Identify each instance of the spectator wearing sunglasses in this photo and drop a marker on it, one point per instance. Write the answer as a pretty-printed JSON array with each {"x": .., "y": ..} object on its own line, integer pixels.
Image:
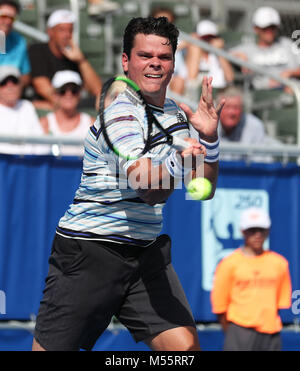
[
  {"x": 17, "y": 116},
  {"x": 250, "y": 286},
  {"x": 15, "y": 44},
  {"x": 60, "y": 53},
  {"x": 202, "y": 63},
  {"x": 66, "y": 120},
  {"x": 270, "y": 51}
]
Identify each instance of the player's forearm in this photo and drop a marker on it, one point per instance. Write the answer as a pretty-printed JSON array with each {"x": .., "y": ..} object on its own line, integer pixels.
[{"x": 153, "y": 184}]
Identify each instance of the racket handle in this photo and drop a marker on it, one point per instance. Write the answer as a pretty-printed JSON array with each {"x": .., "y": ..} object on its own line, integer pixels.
[{"x": 180, "y": 144}]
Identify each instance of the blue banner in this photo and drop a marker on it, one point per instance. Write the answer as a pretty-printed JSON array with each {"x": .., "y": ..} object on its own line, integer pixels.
[{"x": 35, "y": 192}]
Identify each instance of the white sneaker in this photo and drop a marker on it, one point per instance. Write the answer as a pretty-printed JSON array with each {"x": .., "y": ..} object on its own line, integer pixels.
[{"x": 105, "y": 6}]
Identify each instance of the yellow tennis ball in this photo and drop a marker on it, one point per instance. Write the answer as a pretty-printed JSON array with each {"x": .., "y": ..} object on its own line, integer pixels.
[{"x": 199, "y": 188}]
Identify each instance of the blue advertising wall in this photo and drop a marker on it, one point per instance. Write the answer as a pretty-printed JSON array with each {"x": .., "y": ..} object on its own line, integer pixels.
[{"x": 35, "y": 192}]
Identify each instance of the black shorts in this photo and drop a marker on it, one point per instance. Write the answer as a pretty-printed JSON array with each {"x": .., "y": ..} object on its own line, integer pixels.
[{"x": 91, "y": 281}]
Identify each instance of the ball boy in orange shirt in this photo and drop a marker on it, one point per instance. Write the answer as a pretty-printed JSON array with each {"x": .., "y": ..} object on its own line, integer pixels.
[{"x": 250, "y": 286}]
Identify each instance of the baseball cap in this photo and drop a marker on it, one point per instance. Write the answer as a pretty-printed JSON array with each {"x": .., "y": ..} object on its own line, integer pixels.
[
  {"x": 207, "y": 27},
  {"x": 266, "y": 16},
  {"x": 60, "y": 16},
  {"x": 66, "y": 77},
  {"x": 254, "y": 218},
  {"x": 6, "y": 71}
]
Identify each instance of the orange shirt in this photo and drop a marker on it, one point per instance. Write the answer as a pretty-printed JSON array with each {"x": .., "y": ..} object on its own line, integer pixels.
[{"x": 251, "y": 289}]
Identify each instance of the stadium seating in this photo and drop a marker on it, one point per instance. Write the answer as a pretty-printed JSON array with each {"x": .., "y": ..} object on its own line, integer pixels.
[
  {"x": 101, "y": 41},
  {"x": 279, "y": 108}
]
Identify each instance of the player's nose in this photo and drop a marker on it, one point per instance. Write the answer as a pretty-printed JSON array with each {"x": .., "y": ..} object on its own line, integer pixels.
[{"x": 155, "y": 62}]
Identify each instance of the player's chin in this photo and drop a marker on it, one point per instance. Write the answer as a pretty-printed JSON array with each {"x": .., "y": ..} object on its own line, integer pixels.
[{"x": 153, "y": 83}]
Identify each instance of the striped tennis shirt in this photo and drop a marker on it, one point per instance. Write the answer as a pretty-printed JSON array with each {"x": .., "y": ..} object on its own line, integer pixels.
[{"x": 105, "y": 207}]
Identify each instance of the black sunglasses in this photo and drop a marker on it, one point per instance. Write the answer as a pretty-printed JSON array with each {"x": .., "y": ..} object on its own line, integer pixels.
[
  {"x": 74, "y": 89},
  {"x": 8, "y": 79}
]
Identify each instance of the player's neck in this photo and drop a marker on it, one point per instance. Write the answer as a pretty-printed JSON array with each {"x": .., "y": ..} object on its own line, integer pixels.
[{"x": 155, "y": 101}]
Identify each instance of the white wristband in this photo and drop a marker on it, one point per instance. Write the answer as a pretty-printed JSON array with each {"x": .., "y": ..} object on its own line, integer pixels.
[
  {"x": 212, "y": 150},
  {"x": 174, "y": 166}
]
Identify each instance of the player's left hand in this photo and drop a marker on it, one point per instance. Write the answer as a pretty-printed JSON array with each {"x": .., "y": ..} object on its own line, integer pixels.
[
  {"x": 194, "y": 150},
  {"x": 205, "y": 119}
]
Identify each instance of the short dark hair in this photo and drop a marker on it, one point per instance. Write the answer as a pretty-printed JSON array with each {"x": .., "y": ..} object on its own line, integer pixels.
[
  {"x": 12, "y": 3},
  {"x": 149, "y": 26}
]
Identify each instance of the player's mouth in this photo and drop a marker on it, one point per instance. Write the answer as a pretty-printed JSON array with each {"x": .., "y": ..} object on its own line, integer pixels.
[{"x": 152, "y": 76}]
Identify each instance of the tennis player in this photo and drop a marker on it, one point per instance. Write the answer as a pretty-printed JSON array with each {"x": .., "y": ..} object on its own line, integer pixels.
[{"x": 107, "y": 256}]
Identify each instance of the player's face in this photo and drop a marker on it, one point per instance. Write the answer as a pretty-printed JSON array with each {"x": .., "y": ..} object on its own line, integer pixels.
[
  {"x": 151, "y": 66},
  {"x": 7, "y": 16},
  {"x": 255, "y": 238},
  {"x": 231, "y": 113},
  {"x": 61, "y": 34}
]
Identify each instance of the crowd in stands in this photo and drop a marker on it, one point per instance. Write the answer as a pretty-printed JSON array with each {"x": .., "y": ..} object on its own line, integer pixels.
[{"x": 58, "y": 71}]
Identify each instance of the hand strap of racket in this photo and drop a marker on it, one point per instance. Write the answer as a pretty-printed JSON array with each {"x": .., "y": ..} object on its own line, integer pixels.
[
  {"x": 174, "y": 166},
  {"x": 212, "y": 150}
]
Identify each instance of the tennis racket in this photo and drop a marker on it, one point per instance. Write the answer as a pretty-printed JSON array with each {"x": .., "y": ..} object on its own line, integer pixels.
[{"x": 123, "y": 85}]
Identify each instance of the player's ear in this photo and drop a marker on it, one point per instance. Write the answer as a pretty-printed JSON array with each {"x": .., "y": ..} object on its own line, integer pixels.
[{"x": 125, "y": 60}]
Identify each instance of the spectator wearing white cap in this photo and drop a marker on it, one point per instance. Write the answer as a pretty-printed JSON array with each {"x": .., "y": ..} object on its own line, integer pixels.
[
  {"x": 66, "y": 120},
  {"x": 17, "y": 116},
  {"x": 60, "y": 53},
  {"x": 200, "y": 62},
  {"x": 250, "y": 286},
  {"x": 270, "y": 51},
  {"x": 15, "y": 53}
]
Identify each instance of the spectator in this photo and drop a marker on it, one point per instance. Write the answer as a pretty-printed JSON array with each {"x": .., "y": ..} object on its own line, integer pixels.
[
  {"x": 177, "y": 83},
  {"x": 60, "y": 53},
  {"x": 239, "y": 126},
  {"x": 273, "y": 53},
  {"x": 250, "y": 286},
  {"x": 97, "y": 7},
  {"x": 17, "y": 116},
  {"x": 66, "y": 120},
  {"x": 15, "y": 44},
  {"x": 200, "y": 62}
]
